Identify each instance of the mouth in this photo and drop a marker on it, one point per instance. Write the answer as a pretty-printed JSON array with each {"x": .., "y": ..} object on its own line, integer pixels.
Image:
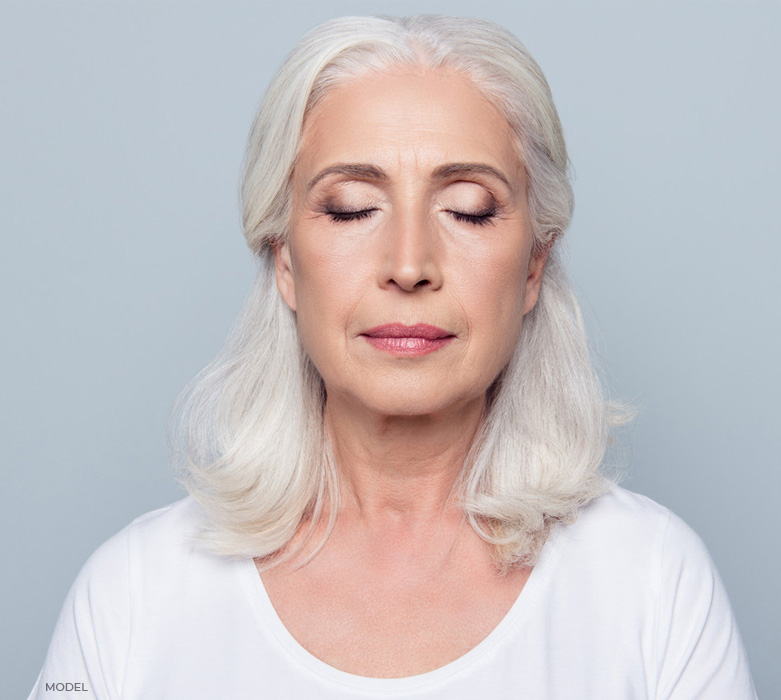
[
  {"x": 399, "y": 330},
  {"x": 398, "y": 339}
]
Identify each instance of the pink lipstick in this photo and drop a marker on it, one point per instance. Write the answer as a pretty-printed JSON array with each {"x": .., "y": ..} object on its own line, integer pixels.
[{"x": 398, "y": 339}]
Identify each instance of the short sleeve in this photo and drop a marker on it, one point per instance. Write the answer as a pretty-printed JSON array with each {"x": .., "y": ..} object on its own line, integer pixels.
[
  {"x": 701, "y": 654},
  {"x": 89, "y": 647}
]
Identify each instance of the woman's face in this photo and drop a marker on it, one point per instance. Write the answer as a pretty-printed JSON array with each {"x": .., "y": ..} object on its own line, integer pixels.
[{"x": 409, "y": 209}]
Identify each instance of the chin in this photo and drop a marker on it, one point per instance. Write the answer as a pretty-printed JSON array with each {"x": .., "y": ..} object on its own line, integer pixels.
[
  {"x": 417, "y": 400},
  {"x": 404, "y": 407}
]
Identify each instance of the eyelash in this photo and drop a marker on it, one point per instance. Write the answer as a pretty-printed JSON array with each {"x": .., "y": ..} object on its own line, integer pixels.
[
  {"x": 475, "y": 219},
  {"x": 483, "y": 219},
  {"x": 343, "y": 216}
]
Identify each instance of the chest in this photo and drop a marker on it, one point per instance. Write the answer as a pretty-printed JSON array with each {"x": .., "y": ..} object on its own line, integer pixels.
[{"x": 393, "y": 626}]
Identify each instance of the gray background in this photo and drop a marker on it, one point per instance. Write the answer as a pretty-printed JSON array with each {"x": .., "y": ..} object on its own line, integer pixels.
[{"x": 122, "y": 266}]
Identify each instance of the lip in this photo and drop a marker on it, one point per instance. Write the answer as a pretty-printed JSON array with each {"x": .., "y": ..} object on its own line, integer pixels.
[
  {"x": 399, "y": 330},
  {"x": 398, "y": 339}
]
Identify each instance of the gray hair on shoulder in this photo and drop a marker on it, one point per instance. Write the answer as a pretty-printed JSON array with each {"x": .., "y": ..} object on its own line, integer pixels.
[{"x": 247, "y": 433}]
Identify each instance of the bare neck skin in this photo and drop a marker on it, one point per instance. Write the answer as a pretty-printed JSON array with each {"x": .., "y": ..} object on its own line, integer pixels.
[
  {"x": 403, "y": 585},
  {"x": 400, "y": 469},
  {"x": 398, "y": 478}
]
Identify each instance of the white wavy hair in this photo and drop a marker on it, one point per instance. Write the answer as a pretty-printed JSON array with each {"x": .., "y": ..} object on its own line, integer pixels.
[{"x": 249, "y": 438}]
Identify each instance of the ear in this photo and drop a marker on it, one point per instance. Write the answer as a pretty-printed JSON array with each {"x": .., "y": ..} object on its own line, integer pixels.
[
  {"x": 284, "y": 271},
  {"x": 534, "y": 280}
]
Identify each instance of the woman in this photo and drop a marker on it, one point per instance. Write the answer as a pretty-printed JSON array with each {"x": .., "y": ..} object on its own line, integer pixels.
[{"x": 394, "y": 465}]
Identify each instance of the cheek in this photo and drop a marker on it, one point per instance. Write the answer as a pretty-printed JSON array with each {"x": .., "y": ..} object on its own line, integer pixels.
[
  {"x": 495, "y": 296},
  {"x": 324, "y": 263},
  {"x": 327, "y": 289}
]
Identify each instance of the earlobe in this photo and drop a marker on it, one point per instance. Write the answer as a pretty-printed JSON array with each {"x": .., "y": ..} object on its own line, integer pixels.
[
  {"x": 534, "y": 280},
  {"x": 284, "y": 273}
]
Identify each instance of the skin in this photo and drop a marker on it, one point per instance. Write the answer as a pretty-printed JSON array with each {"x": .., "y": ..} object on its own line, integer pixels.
[{"x": 403, "y": 585}]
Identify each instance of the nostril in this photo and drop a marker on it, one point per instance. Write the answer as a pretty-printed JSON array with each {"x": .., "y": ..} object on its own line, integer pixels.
[{"x": 409, "y": 284}]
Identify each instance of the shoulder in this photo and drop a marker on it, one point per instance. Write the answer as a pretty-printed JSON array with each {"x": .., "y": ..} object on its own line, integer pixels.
[
  {"x": 167, "y": 530},
  {"x": 636, "y": 581},
  {"x": 618, "y": 506},
  {"x": 154, "y": 541},
  {"x": 615, "y": 568},
  {"x": 637, "y": 543},
  {"x": 126, "y": 577},
  {"x": 139, "y": 571},
  {"x": 621, "y": 519},
  {"x": 164, "y": 527},
  {"x": 638, "y": 555},
  {"x": 173, "y": 520}
]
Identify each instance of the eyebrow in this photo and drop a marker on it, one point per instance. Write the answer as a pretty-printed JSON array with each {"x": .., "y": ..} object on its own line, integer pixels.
[
  {"x": 363, "y": 171},
  {"x": 447, "y": 171},
  {"x": 359, "y": 171}
]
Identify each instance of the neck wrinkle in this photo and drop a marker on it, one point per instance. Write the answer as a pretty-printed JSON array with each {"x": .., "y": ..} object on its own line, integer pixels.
[{"x": 401, "y": 469}]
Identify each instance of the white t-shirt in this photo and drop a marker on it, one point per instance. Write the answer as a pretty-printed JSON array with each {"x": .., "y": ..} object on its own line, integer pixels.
[{"x": 623, "y": 604}]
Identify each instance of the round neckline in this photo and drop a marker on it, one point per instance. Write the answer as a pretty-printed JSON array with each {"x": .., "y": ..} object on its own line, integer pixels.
[{"x": 263, "y": 606}]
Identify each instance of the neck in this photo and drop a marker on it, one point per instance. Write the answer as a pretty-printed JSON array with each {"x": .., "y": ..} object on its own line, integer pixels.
[{"x": 400, "y": 470}]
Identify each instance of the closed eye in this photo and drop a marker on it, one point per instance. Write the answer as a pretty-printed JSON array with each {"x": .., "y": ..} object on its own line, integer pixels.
[
  {"x": 481, "y": 219},
  {"x": 341, "y": 216}
]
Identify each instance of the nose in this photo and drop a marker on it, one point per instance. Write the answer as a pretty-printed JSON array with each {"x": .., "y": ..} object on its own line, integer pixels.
[{"x": 412, "y": 253}]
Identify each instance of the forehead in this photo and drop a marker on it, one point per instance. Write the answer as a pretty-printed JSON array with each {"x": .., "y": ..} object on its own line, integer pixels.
[{"x": 408, "y": 119}]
